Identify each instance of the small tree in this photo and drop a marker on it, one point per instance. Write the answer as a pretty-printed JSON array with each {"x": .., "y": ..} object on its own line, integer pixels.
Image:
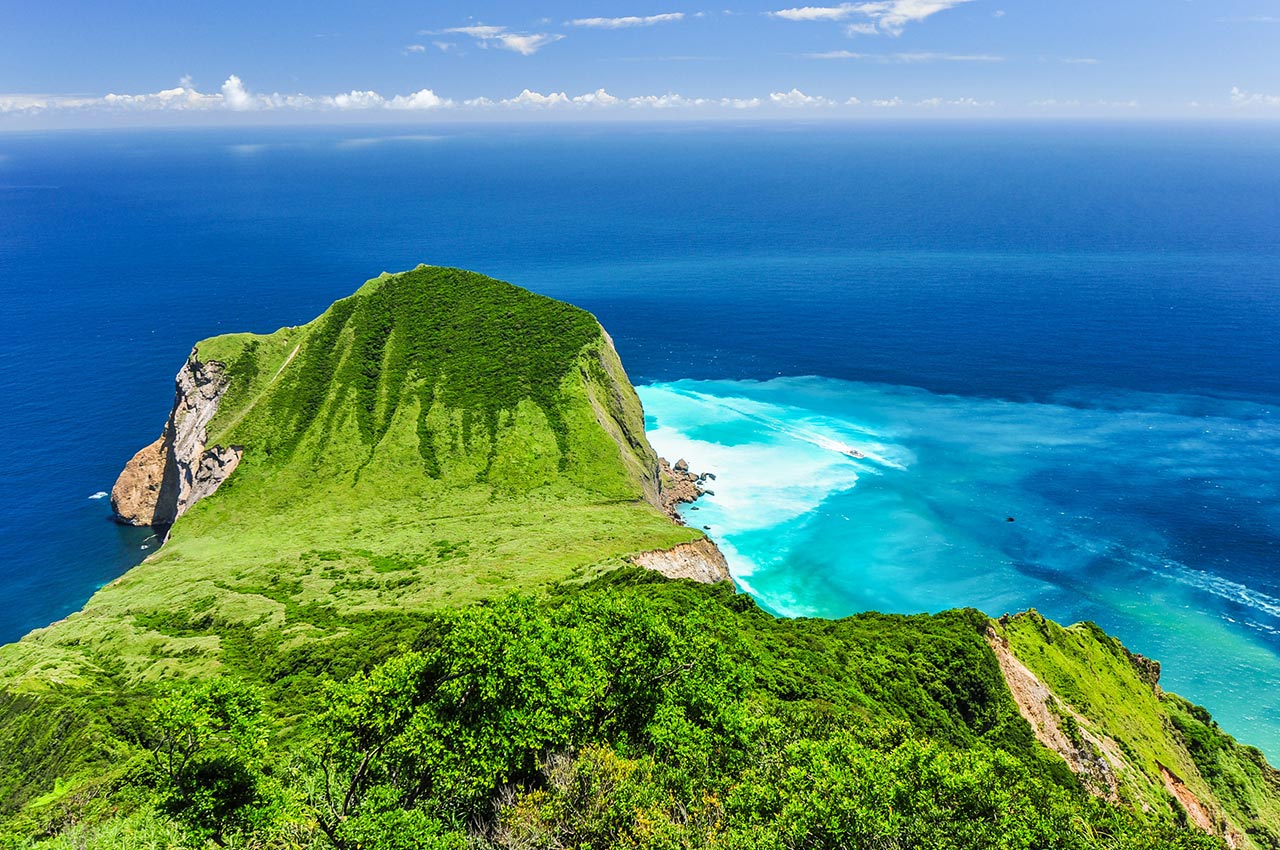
[{"x": 206, "y": 749}]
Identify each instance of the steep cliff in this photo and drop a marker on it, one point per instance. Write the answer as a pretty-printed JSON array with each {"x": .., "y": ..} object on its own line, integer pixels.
[
  {"x": 1100, "y": 707},
  {"x": 168, "y": 476},
  {"x": 436, "y": 438}
]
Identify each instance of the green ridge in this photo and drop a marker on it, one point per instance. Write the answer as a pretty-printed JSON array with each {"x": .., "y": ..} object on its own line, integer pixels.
[
  {"x": 415, "y": 585},
  {"x": 437, "y": 438},
  {"x": 1097, "y": 677}
]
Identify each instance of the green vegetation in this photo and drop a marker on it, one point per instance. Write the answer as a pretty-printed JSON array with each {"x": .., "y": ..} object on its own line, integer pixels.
[
  {"x": 1156, "y": 732},
  {"x": 408, "y": 621},
  {"x": 476, "y": 436},
  {"x": 630, "y": 711}
]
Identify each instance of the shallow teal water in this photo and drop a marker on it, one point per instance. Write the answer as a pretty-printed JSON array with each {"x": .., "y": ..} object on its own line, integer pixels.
[
  {"x": 833, "y": 497},
  {"x": 993, "y": 261}
]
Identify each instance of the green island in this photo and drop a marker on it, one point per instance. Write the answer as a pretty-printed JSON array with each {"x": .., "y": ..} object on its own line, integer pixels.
[{"x": 422, "y": 589}]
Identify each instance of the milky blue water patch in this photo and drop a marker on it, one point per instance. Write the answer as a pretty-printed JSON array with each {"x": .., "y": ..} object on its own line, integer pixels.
[
  {"x": 1156, "y": 516},
  {"x": 1000, "y": 261}
]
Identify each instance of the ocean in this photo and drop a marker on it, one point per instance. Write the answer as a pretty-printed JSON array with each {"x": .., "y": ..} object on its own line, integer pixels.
[{"x": 931, "y": 365}]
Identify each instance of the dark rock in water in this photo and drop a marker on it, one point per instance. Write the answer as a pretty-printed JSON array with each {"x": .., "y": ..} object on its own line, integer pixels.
[
  {"x": 1008, "y": 519},
  {"x": 681, "y": 465}
]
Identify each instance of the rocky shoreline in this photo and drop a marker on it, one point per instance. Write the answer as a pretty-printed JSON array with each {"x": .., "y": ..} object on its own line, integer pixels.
[{"x": 678, "y": 486}]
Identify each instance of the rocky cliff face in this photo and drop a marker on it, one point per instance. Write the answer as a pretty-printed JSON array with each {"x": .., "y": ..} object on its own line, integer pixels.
[
  {"x": 699, "y": 560},
  {"x": 167, "y": 477},
  {"x": 678, "y": 486}
]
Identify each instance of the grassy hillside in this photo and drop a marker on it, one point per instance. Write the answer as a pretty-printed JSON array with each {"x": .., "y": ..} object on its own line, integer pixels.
[
  {"x": 1163, "y": 740},
  {"x": 437, "y": 438},
  {"x": 631, "y": 711},
  {"x": 406, "y": 621}
]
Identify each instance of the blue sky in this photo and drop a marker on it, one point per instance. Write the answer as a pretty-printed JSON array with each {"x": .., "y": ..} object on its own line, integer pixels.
[{"x": 94, "y": 63}]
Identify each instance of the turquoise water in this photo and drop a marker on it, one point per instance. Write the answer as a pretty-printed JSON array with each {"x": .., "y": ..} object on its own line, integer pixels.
[
  {"x": 1092, "y": 312},
  {"x": 833, "y": 497}
]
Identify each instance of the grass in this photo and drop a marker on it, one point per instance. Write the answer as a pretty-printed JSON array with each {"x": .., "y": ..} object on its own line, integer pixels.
[
  {"x": 440, "y": 439},
  {"x": 1094, "y": 674},
  {"x": 479, "y": 437}
]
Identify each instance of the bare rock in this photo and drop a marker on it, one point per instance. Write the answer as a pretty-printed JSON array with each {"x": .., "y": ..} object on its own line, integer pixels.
[
  {"x": 699, "y": 560},
  {"x": 167, "y": 477},
  {"x": 137, "y": 490},
  {"x": 677, "y": 486}
]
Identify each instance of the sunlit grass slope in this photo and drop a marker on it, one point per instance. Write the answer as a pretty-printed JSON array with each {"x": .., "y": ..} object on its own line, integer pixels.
[
  {"x": 438, "y": 437},
  {"x": 1157, "y": 733}
]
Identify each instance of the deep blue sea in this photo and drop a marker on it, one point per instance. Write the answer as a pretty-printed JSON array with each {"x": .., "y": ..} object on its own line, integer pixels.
[{"x": 931, "y": 365}]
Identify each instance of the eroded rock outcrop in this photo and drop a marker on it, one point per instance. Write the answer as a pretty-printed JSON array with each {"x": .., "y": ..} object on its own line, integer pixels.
[
  {"x": 700, "y": 560},
  {"x": 167, "y": 477},
  {"x": 1095, "y": 759},
  {"x": 137, "y": 490},
  {"x": 678, "y": 486}
]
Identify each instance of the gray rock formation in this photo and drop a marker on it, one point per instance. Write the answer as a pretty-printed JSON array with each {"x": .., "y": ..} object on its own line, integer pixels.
[{"x": 166, "y": 478}]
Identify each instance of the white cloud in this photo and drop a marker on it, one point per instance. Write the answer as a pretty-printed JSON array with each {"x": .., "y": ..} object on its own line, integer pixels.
[
  {"x": 1080, "y": 60},
  {"x": 627, "y": 21},
  {"x": 179, "y": 98},
  {"x": 415, "y": 48},
  {"x": 905, "y": 58},
  {"x": 359, "y": 100},
  {"x": 795, "y": 97},
  {"x": 599, "y": 97},
  {"x": 422, "y": 99},
  {"x": 817, "y": 13},
  {"x": 25, "y": 102},
  {"x": 234, "y": 94},
  {"x": 887, "y": 16},
  {"x": 946, "y": 57},
  {"x": 533, "y": 98},
  {"x": 526, "y": 44},
  {"x": 935, "y": 102},
  {"x": 669, "y": 100},
  {"x": 1244, "y": 98}
]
